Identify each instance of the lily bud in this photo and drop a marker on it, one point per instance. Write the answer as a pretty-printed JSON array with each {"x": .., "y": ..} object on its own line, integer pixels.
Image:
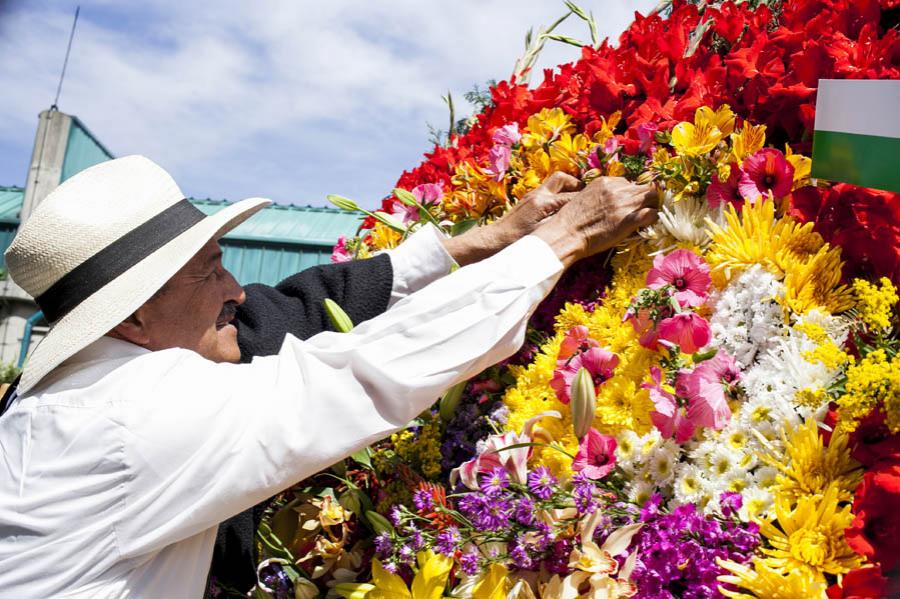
[
  {"x": 378, "y": 522},
  {"x": 343, "y": 203},
  {"x": 337, "y": 316},
  {"x": 450, "y": 400},
  {"x": 584, "y": 402},
  {"x": 406, "y": 197}
]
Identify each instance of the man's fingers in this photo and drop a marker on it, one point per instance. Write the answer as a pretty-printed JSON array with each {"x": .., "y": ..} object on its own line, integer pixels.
[
  {"x": 559, "y": 182},
  {"x": 642, "y": 217},
  {"x": 651, "y": 196}
]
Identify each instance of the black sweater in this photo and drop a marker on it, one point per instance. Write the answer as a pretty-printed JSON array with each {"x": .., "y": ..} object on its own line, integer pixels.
[{"x": 362, "y": 288}]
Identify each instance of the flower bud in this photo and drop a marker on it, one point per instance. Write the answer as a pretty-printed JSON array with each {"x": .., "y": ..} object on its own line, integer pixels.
[
  {"x": 584, "y": 402},
  {"x": 406, "y": 197},
  {"x": 343, "y": 203},
  {"x": 337, "y": 316},
  {"x": 450, "y": 400}
]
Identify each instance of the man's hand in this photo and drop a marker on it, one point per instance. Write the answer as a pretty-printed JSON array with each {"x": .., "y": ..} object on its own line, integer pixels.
[
  {"x": 598, "y": 218},
  {"x": 524, "y": 218}
]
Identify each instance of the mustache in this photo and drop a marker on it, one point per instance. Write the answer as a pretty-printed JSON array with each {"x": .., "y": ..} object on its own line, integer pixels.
[{"x": 229, "y": 310}]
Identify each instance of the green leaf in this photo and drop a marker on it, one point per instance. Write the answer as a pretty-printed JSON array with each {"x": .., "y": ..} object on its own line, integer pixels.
[
  {"x": 364, "y": 457},
  {"x": 462, "y": 226},
  {"x": 450, "y": 400},
  {"x": 702, "y": 357},
  {"x": 378, "y": 522},
  {"x": 518, "y": 445}
]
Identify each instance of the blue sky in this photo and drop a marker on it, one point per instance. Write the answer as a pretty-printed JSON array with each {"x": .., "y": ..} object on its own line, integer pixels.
[{"x": 287, "y": 99}]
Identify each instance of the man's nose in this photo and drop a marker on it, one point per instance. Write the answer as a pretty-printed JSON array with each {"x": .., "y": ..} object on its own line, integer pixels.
[{"x": 233, "y": 290}]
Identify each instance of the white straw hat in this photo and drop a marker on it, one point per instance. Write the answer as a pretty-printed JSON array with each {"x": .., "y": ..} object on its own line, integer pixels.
[{"x": 100, "y": 245}]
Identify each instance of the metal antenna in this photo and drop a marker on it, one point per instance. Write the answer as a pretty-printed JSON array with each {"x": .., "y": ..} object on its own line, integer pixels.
[{"x": 66, "y": 61}]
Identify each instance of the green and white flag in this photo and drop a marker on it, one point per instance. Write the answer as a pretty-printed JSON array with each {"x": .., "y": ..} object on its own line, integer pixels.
[{"x": 857, "y": 137}]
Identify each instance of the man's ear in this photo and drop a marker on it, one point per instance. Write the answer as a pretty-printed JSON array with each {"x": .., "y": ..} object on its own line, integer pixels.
[{"x": 133, "y": 329}]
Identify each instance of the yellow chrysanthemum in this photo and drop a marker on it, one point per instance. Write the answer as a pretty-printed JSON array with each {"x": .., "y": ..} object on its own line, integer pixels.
[
  {"x": 748, "y": 141},
  {"x": 809, "y": 537},
  {"x": 807, "y": 467},
  {"x": 689, "y": 139},
  {"x": 762, "y": 582},
  {"x": 815, "y": 283},
  {"x": 722, "y": 118},
  {"x": 875, "y": 304},
  {"x": 872, "y": 383},
  {"x": 546, "y": 126}
]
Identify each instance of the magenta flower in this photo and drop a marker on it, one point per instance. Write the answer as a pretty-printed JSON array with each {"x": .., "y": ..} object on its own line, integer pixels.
[
  {"x": 706, "y": 403},
  {"x": 722, "y": 368},
  {"x": 596, "y": 455},
  {"x": 577, "y": 340},
  {"x": 684, "y": 270},
  {"x": 669, "y": 416},
  {"x": 686, "y": 330},
  {"x": 646, "y": 133},
  {"x": 507, "y": 135},
  {"x": 611, "y": 145},
  {"x": 340, "y": 253},
  {"x": 599, "y": 362},
  {"x": 767, "y": 171},
  {"x": 499, "y": 157},
  {"x": 725, "y": 192},
  {"x": 428, "y": 193},
  {"x": 644, "y": 327}
]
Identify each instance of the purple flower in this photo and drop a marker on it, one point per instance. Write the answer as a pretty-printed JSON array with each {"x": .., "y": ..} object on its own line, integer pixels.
[
  {"x": 518, "y": 551},
  {"x": 416, "y": 540},
  {"x": 468, "y": 561},
  {"x": 486, "y": 512},
  {"x": 730, "y": 503},
  {"x": 423, "y": 500},
  {"x": 525, "y": 511},
  {"x": 383, "y": 545},
  {"x": 406, "y": 554},
  {"x": 447, "y": 540},
  {"x": 541, "y": 482},
  {"x": 495, "y": 482},
  {"x": 395, "y": 515},
  {"x": 390, "y": 567}
]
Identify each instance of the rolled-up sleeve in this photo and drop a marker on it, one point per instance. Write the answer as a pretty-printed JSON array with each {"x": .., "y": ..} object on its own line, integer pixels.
[
  {"x": 418, "y": 262},
  {"x": 198, "y": 455}
]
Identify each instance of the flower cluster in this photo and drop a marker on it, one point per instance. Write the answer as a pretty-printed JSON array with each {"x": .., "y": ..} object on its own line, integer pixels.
[{"x": 712, "y": 409}]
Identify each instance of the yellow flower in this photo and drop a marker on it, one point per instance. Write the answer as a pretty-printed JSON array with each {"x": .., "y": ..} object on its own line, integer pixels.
[
  {"x": 807, "y": 467},
  {"x": 802, "y": 167},
  {"x": 763, "y": 582},
  {"x": 693, "y": 140},
  {"x": 872, "y": 383},
  {"x": 721, "y": 118},
  {"x": 383, "y": 237},
  {"x": 569, "y": 153},
  {"x": 428, "y": 583},
  {"x": 493, "y": 584},
  {"x": 815, "y": 283},
  {"x": 874, "y": 304},
  {"x": 607, "y": 128},
  {"x": 474, "y": 194},
  {"x": 748, "y": 141},
  {"x": 546, "y": 126},
  {"x": 809, "y": 539}
]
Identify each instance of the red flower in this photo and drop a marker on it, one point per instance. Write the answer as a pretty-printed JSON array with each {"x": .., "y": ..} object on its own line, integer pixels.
[
  {"x": 862, "y": 583},
  {"x": 875, "y": 532}
]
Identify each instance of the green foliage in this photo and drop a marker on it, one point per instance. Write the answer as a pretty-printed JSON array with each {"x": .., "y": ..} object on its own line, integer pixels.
[{"x": 8, "y": 372}]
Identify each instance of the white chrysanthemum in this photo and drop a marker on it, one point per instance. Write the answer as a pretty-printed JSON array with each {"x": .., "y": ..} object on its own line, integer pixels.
[
  {"x": 723, "y": 462},
  {"x": 681, "y": 222},
  {"x": 627, "y": 451},
  {"x": 701, "y": 454},
  {"x": 639, "y": 491},
  {"x": 691, "y": 484},
  {"x": 767, "y": 411},
  {"x": 757, "y": 501},
  {"x": 764, "y": 477},
  {"x": 747, "y": 319},
  {"x": 836, "y": 327},
  {"x": 647, "y": 444},
  {"x": 661, "y": 463},
  {"x": 736, "y": 481}
]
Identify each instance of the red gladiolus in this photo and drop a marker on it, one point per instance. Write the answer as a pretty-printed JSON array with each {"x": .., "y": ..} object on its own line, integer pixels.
[
  {"x": 862, "y": 583},
  {"x": 875, "y": 532}
]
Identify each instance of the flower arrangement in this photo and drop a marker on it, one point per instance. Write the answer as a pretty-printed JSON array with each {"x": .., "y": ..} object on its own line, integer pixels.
[{"x": 710, "y": 410}]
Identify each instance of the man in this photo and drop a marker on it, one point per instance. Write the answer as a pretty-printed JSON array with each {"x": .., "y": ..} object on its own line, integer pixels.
[{"x": 130, "y": 439}]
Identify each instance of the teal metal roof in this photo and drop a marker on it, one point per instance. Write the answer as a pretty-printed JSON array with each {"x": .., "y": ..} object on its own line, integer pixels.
[
  {"x": 83, "y": 150},
  {"x": 276, "y": 242}
]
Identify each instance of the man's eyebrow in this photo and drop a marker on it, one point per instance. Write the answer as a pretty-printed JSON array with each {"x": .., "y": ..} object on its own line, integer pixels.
[{"x": 214, "y": 257}]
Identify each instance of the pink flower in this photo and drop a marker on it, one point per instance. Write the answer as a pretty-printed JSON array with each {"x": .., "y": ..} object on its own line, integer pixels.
[
  {"x": 499, "y": 158},
  {"x": 645, "y": 327},
  {"x": 706, "y": 403},
  {"x": 684, "y": 270},
  {"x": 669, "y": 416},
  {"x": 611, "y": 145},
  {"x": 764, "y": 172},
  {"x": 340, "y": 253},
  {"x": 646, "y": 133},
  {"x": 428, "y": 193},
  {"x": 722, "y": 368},
  {"x": 725, "y": 192},
  {"x": 599, "y": 362},
  {"x": 513, "y": 461},
  {"x": 594, "y": 159},
  {"x": 577, "y": 340},
  {"x": 596, "y": 455},
  {"x": 404, "y": 213},
  {"x": 507, "y": 135},
  {"x": 686, "y": 330}
]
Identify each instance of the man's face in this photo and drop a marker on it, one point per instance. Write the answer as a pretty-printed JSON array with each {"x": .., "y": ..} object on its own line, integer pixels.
[{"x": 194, "y": 309}]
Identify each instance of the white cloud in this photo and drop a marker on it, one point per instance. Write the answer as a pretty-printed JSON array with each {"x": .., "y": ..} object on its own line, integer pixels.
[{"x": 288, "y": 99}]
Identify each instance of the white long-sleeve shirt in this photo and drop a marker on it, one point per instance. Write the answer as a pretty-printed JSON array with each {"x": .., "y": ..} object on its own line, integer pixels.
[{"x": 117, "y": 470}]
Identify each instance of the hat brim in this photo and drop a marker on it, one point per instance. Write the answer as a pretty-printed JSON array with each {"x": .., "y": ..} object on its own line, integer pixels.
[{"x": 117, "y": 300}]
